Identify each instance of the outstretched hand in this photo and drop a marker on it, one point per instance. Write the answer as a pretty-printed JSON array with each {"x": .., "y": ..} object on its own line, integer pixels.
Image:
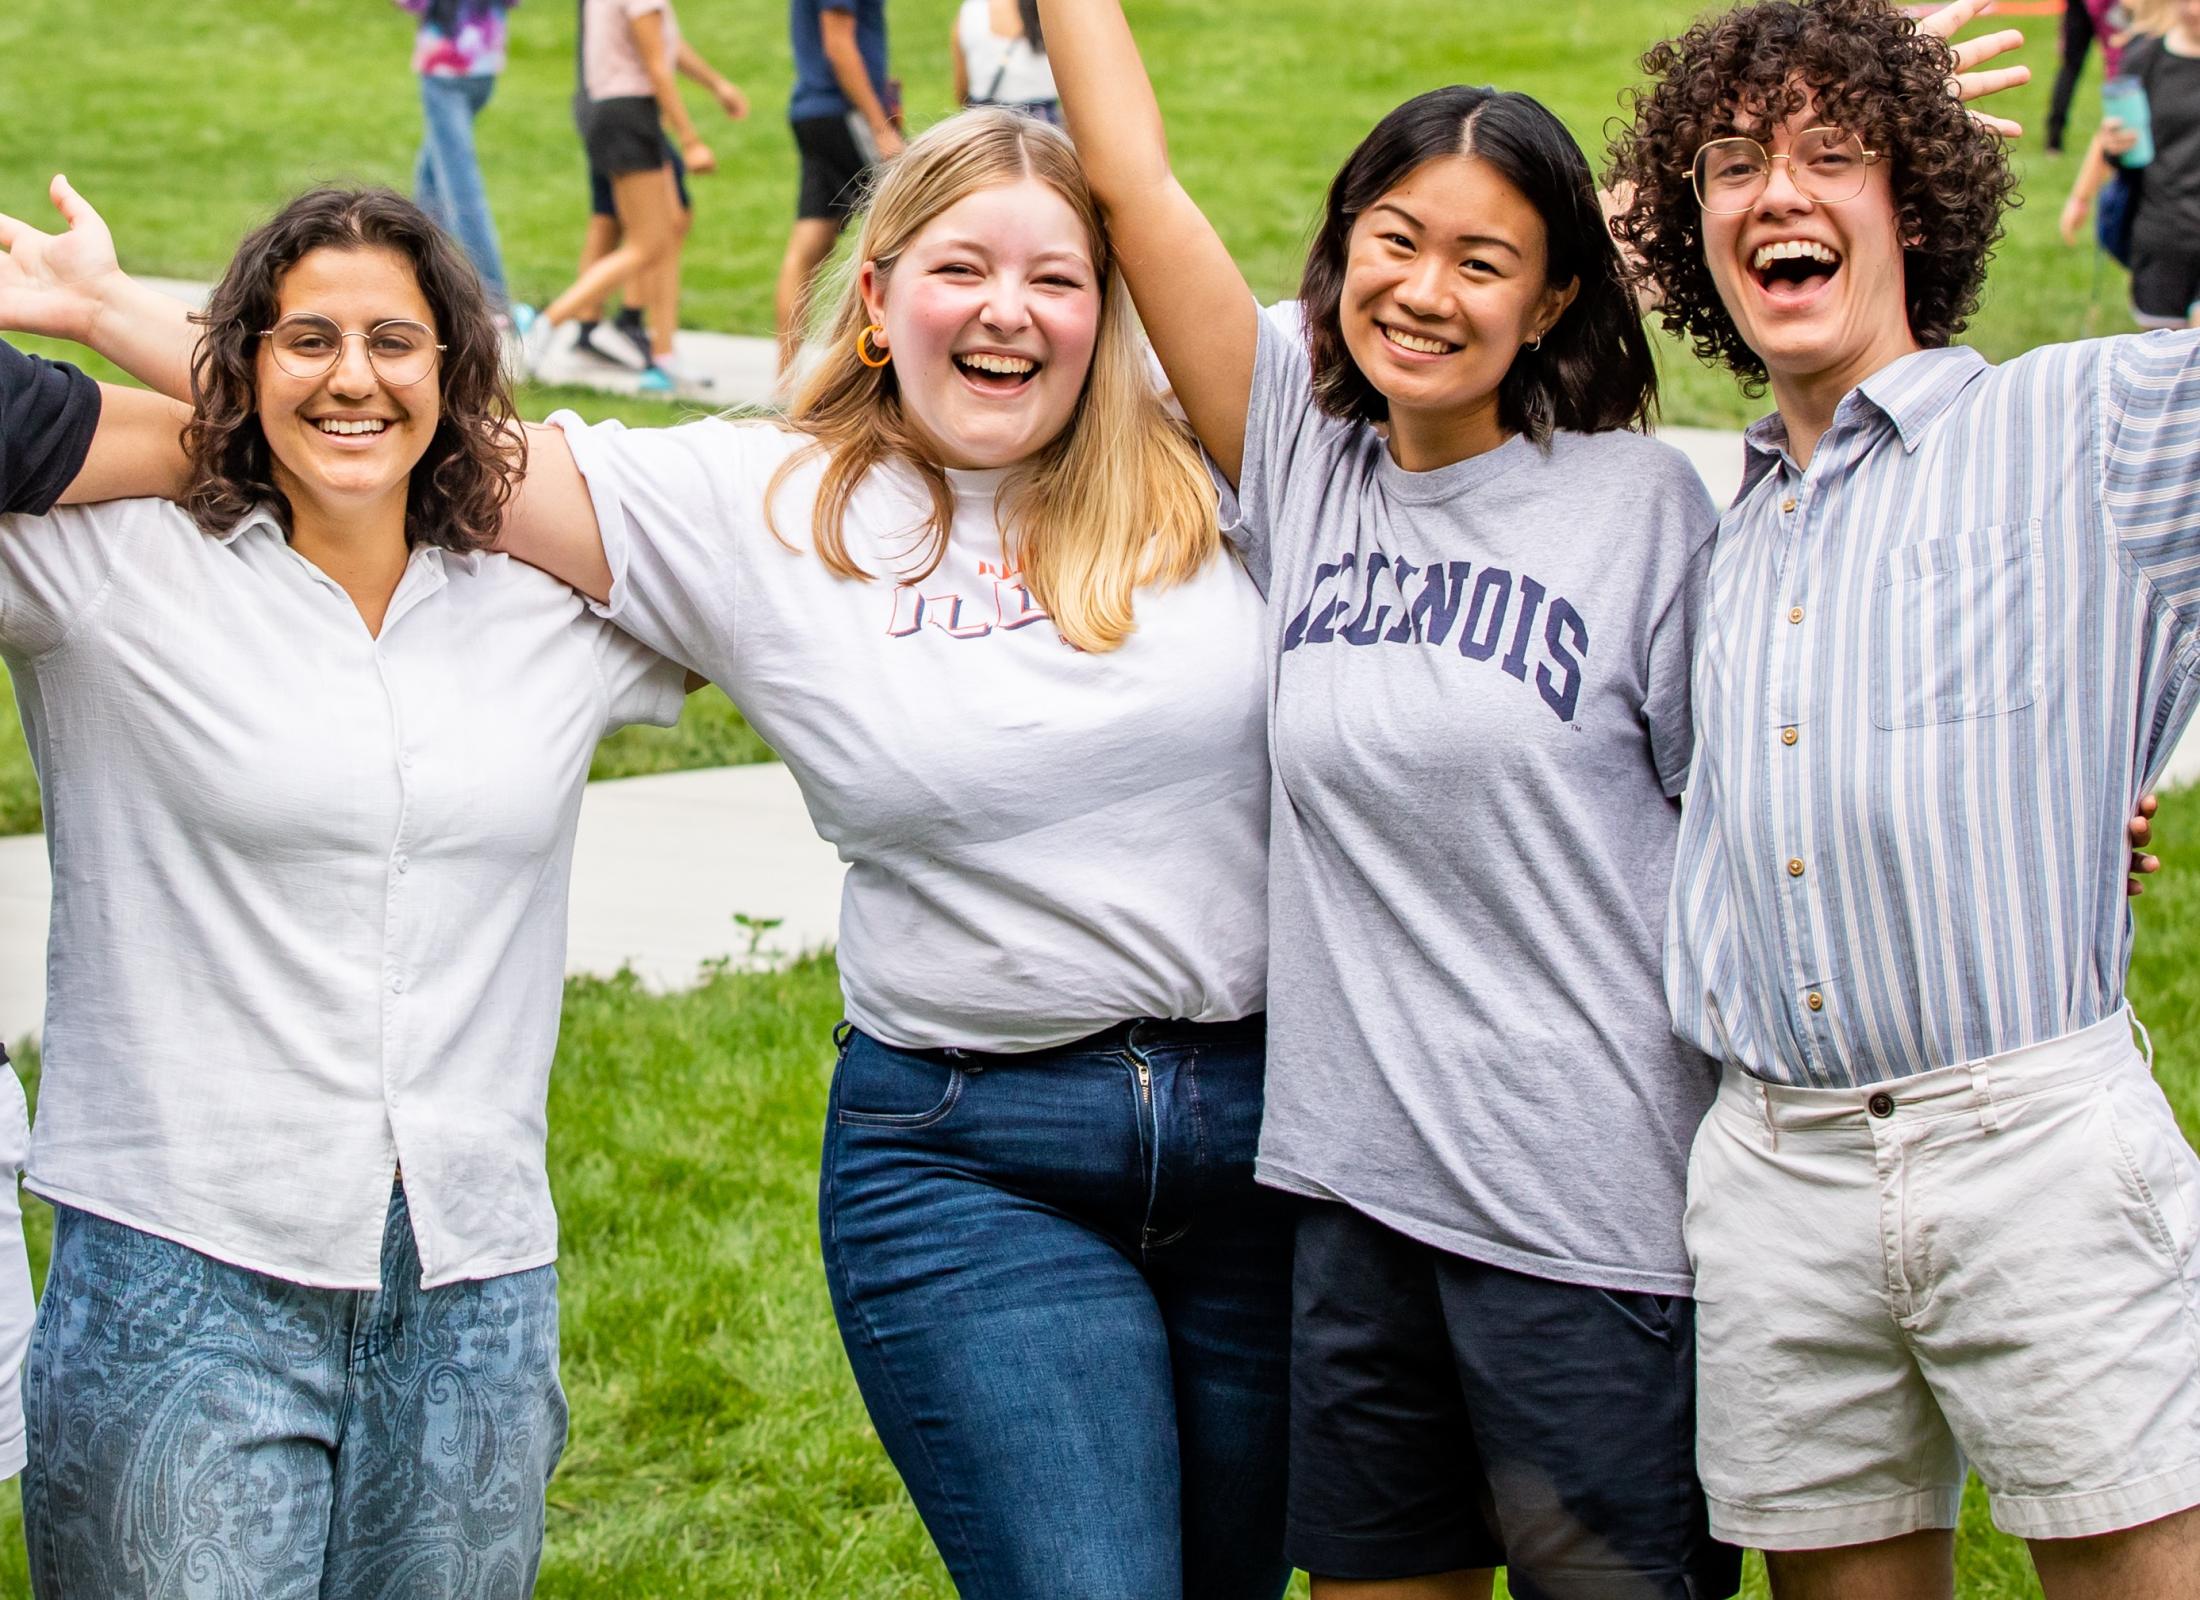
[
  {"x": 53, "y": 284},
  {"x": 1970, "y": 83}
]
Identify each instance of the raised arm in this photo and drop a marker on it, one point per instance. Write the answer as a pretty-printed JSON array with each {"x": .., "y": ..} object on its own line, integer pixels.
[
  {"x": 70, "y": 286},
  {"x": 1197, "y": 307}
]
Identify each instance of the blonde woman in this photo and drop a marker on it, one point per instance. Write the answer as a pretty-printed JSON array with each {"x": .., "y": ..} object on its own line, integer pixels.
[{"x": 973, "y": 592}]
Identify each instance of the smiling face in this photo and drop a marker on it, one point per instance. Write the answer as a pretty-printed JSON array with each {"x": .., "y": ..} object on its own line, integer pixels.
[
  {"x": 991, "y": 314},
  {"x": 1815, "y": 287},
  {"x": 347, "y": 440},
  {"x": 1444, "y": 282}
]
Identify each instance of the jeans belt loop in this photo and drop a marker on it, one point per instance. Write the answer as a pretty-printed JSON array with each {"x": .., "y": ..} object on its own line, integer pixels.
[
  {"x": 1764, "y": 1100},
  {"x": 1982, "y": 1085}
]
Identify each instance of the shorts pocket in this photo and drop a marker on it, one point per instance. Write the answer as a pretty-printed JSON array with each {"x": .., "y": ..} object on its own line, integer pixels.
[
  {"x": 877, "y": 1087},
  {"x": 1953, "y": 626},
  {"x": 1657, "y": 1315},
  {"x": 2159, "y": 1169}
]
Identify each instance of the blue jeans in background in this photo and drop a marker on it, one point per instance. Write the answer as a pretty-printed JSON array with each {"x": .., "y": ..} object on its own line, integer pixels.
[
  {"x": 203, "y": 1432},
  {"x": 1068, "y": 1307},
  {"x": 447, "y": 178}
]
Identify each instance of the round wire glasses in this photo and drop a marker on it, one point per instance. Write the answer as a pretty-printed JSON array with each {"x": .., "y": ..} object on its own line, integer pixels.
[
  {"x": 306, "y": 344},
  {"x": 1823, "y": 163}
]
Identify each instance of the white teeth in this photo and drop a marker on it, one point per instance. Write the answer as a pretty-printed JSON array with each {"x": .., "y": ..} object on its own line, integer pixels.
[
  {"x": 1007, "y": 366},
  {"x": 342, "y": 426},
  {"x": 1793, "y": 250},
  {"x": 1413, "y": 341}
]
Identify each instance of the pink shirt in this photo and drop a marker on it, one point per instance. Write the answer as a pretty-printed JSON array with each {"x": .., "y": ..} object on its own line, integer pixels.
[{"x": 611, "y": 63}]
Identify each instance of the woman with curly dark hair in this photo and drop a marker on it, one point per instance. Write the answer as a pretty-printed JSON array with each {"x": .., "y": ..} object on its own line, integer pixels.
[
  {"x": 1940, "y": 1211},
  {"x": 311, "y": 761}
]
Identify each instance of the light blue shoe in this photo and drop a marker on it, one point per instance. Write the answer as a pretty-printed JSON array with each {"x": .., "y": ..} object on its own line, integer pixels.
[{"x": 655, "y": 381}]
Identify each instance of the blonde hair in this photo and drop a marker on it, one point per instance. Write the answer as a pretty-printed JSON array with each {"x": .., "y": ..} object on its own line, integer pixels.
[{"x": 1118, "y": 499}]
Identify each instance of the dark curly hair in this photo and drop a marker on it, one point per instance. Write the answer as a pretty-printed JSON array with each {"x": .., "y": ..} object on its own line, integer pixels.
[
  {"x": 1593, "y": 370},
  {"x": 1868, "y": 71},
  {"x": 460, "y": 485}
]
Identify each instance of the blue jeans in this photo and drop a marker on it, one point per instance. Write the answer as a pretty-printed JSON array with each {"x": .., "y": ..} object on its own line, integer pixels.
[
  {"x": 202, "y": 1432},
  {"x": 1068, "y": 1307},
  {"x": 447, "y": 178}
]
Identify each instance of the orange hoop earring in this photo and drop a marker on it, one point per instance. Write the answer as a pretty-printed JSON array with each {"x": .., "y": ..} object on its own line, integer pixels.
[{"x": 864, "y": 355}]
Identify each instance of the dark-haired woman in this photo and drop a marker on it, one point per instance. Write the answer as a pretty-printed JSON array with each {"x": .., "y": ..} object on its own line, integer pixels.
[
  {"x": 1001, "y": 58},
  {"x": 1481, "y": 588},
  {"x": 312, "y": 761}
]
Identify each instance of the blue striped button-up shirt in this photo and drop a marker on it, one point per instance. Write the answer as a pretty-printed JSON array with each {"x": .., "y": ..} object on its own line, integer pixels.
[{"x": 1936, "y": 671}]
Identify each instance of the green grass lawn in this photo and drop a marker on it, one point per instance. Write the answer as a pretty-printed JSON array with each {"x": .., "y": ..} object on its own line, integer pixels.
[{"x": 718, "y": 1445}]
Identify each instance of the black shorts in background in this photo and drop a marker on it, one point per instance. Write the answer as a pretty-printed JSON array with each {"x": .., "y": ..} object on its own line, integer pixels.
[
  {"x": 1446, "y": 1413},
  {"x": 832, "y": 168},
  {"x": 600, "y": 202},
  {"x": 2165, "y": 283},
  {"x": 623, "y": 134}
]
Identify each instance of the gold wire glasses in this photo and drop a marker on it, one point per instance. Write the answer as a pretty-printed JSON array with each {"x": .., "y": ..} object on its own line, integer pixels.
[
  {"x": 306, "y": 344},
  {"x": 1823, "y": 163}
]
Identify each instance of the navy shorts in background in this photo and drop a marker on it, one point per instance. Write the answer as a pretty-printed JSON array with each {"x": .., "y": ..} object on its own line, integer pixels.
[{"x": 1446, "y": 1414}]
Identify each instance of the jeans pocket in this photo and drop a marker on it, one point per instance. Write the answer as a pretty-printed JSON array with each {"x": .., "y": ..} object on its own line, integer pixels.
[
  {"x": 878, "y": 1087},
  {"x": 1952, "y": 627}
]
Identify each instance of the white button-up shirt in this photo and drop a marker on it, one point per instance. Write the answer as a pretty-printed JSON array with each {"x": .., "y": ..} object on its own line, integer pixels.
[{"x": 309, "y": 884}]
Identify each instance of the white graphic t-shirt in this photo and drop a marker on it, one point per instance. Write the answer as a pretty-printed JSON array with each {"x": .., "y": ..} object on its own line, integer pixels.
[{"x": 1042, "y": 841}]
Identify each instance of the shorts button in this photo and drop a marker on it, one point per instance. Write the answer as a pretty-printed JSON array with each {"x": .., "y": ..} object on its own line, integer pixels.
[{"x": 1880, "y": 1105}]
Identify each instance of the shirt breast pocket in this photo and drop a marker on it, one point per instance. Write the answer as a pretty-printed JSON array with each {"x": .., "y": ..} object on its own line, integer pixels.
[{"x": 1954, "y": 625}]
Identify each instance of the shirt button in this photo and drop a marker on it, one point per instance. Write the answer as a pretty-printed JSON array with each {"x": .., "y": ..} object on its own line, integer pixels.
[
  {"x": 1795, "y": 614},
  {"x": 397, "y": 984},
  {"x": 402, "y": 863},
  {"x": 1795, "y": 868},
  {"x": 1815, "y": 1000},
  {"x": 1788, "y": 504},
  {"x": 1880, "y": 1105},
  {"x": 1789, "y": 736}
]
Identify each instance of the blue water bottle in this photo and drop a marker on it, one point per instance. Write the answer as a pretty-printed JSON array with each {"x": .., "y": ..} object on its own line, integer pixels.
[{"x": 2125, "y": 99}]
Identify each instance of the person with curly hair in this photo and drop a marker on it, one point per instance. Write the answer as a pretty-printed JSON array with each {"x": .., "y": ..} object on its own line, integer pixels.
[
  {"x": 311, "y": 759},
  {"x": 1940, "y": 1211}
]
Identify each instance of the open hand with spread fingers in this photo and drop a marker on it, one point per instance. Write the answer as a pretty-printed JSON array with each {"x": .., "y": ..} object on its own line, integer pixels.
[
  {"x": 56, "y": 284},
  {"x": 1970, "y": 83}
]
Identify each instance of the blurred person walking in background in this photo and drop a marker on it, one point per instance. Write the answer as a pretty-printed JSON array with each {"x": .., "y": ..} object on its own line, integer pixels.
[
  {"x": 1001, "y": 58},
  {"x": 628, "y": 51},
  {"x": 846, "y": 116},
  {"x": 2083, "y": 22},
  {"x": 657, "y": 289},
  {"x": 458, "y": 52},
  {"x": 2155, "y": 169}
]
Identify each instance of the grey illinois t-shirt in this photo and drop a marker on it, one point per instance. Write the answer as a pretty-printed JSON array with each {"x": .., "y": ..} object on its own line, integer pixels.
[{"x": 1479, "y": 728}]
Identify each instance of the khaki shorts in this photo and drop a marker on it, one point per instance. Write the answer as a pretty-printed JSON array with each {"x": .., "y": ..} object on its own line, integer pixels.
[{"x": 1994, "y": 1261}]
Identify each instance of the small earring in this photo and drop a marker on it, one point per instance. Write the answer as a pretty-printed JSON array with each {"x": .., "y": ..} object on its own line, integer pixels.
[
  {"x": 864, "y": 355},
  {"x": 1536, "y": 343}
]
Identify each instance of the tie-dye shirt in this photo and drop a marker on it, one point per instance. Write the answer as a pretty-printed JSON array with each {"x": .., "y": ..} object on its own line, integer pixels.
[{"x": 459, "y": 38}]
